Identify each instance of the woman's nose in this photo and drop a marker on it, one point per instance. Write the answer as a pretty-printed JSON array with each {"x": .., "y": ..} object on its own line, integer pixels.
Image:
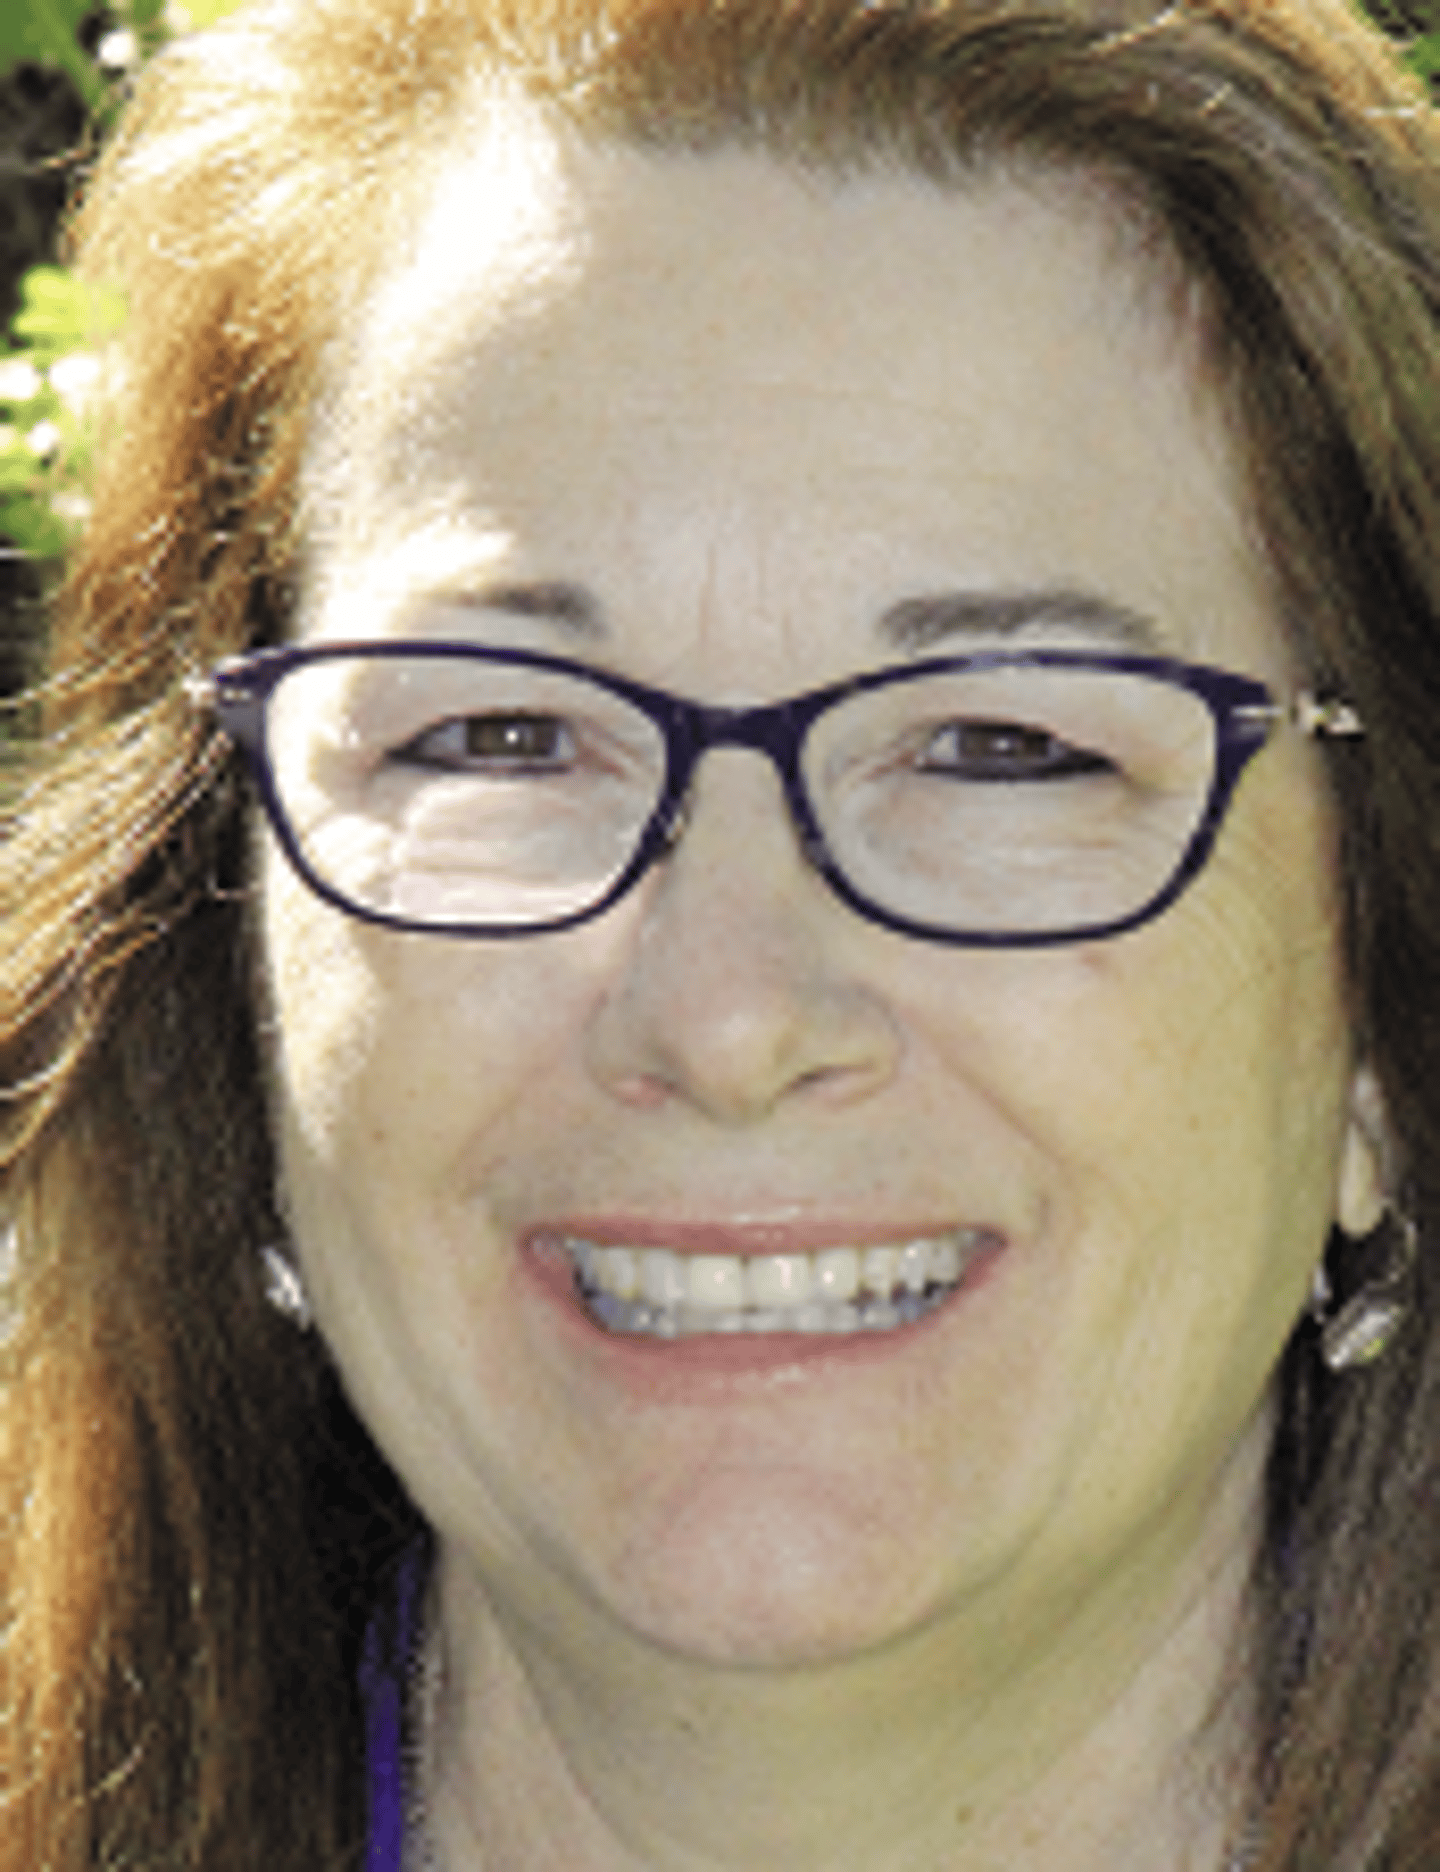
[{"x": 732, "y": 994}]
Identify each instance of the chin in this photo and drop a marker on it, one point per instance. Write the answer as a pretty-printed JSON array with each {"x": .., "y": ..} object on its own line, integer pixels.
[{"x": 749, "y": 1583}]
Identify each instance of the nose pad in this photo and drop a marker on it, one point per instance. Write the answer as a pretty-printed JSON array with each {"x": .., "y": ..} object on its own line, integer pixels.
[
  {"x": 678, "y": 823},
  {"x": 733, "y": 994}
]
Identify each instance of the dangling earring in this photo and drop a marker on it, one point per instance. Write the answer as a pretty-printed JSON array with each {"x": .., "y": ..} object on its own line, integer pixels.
[
  {"x": 284, "y": 1288},
  {"x": 1360, "y": 1329}
]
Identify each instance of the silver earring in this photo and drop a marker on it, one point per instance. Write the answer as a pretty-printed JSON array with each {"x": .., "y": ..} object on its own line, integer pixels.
[
  {"x": 1361, "y": 1329},
  {"x": 284, "y": 1288}
]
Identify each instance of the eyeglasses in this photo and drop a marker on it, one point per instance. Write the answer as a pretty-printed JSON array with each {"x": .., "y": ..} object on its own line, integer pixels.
[{"x": 1003, "y": 799}]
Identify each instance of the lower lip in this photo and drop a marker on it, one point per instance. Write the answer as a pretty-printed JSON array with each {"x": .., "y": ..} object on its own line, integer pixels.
[{"x": 656, "y": 1367}]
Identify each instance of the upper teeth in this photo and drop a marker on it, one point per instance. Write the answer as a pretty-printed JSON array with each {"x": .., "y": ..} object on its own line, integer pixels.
[{"x": 725, "y": 1283}]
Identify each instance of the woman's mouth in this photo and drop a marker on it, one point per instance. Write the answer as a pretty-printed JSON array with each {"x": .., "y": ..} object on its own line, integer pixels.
[{"x": 653, "y": 1292}]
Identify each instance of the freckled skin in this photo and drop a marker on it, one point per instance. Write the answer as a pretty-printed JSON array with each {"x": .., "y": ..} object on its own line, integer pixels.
[{"x": 749, "y": 413}]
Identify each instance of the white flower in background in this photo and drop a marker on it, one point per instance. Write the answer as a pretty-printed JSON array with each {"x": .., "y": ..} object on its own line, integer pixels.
[
  {"x": 19, "y": 380},
  {"x": 73, "y": 377},
  {"x": 176, "y": 18},
  {"x": 43, "y": 439},
  {"x": 71, "y": 507},
  {"x": 118, "y": 50},
  {"x": 9, "y": 437}
]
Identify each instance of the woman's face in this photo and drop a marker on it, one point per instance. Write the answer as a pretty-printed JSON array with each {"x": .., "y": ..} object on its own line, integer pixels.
[{"x": 706, "y": 423}]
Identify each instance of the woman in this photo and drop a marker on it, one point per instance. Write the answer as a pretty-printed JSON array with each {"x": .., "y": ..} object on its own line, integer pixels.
[{"x": 826, "y": 1026}]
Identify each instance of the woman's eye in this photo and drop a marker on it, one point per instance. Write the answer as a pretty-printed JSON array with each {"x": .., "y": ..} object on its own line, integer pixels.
[
  {"x": 1004, "y": 750},
  {"x": 510, "y": 743}
]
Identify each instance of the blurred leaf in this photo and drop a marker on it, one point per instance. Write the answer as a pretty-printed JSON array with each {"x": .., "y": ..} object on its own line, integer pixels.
[
  {"x": 30, "y": 28},
  {"x": 59, "y": 314},
  {"x": 202, "y": 13},
  {"x": 44, "y": 30},
  {"x": 1423, "y": 55},
  {"x": 17, "y": 472},
  {"x": 32, "y": 526}
]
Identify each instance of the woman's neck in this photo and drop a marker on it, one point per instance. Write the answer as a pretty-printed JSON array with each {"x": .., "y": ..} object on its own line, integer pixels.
[{"x": 1104, "y": 1735}]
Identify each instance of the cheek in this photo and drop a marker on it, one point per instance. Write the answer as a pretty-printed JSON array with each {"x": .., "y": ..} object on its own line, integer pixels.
[
  {"x": 396, "y": 1057},
  {"x": 1241, "y": 1063},
  {"x": 398, "y": 1066},
  {"x": 1180, "y": 1095},
  {"x": 323, "y": 1008},
  {"x": 1229, "y": 1015}
]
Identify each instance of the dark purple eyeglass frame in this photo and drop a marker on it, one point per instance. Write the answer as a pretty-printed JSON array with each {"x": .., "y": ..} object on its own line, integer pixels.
[{"x": 1245, "y": 712}]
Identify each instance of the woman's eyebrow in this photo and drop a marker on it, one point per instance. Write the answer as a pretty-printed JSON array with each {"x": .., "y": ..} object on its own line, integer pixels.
[
  {"x": 920, "y": 622},
  {"x": 911, "y": 624},
  {"x": 548, "y": 601}
]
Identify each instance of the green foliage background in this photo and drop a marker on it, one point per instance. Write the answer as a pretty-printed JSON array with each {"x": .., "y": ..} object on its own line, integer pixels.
[
  {"x": 45, "y": 429},
  {"x": 45, "y": 443}
]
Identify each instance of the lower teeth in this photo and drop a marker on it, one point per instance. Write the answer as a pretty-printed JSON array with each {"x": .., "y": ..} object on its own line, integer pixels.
[{"x": 866, "y": 1313}]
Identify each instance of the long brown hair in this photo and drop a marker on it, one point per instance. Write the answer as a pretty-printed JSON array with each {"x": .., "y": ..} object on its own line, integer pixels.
[{"x": 194, "y": 1527}]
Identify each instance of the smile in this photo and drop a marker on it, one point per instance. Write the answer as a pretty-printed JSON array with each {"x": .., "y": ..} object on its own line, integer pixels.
[{"x": 662, "y": 1295}]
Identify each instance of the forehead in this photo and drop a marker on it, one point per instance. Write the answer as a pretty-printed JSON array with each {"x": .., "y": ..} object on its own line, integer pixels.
[{"x": 571, "y": 331}]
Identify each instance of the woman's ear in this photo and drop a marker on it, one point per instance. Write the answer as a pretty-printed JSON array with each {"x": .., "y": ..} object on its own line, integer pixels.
[{"x": 1363, "y": 1186}]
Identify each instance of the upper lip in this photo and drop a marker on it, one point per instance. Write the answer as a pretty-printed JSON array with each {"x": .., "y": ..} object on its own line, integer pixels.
[{"x": 748, "y": 1237}]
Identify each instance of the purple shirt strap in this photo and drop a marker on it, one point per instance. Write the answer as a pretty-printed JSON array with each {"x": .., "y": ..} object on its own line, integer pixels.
[{"x": 382, "y": 1691}]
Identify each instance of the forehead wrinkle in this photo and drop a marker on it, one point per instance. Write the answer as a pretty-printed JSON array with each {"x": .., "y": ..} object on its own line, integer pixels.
[{"x": 744, "y": 554}]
